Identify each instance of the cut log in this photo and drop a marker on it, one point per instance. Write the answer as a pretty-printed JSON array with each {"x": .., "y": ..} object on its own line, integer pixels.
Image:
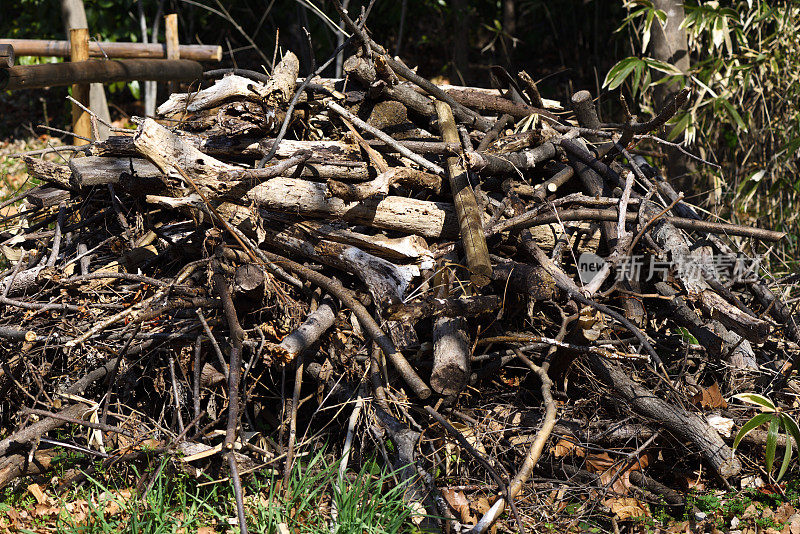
[
  {"x": 411, "y": 178},
  {"x": 94, "y": 170},
  {"x": 47, "y": 171},
  {"x": 407, "y": 215},
  {"x": 47, "y": 196},
  {"x": 451, "y": 348},
  {"x": 315, "y": 325},
  {"x": 409, "y": 248},
  {"x": 224, "y": 89},
  {"x": 386, "y": 281}
]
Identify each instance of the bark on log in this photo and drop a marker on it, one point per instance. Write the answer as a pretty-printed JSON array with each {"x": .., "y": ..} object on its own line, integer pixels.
[
  {"x": 469, "y": 215},
  {"x": 365, "y": 73},
  {"x": 482, "y": 102},
  {"x": 410, "y": 248},
  {"x": 407, "y": 215},
  {"x": 511, "y": 163},
  {"x": 315, "y": 325},
  {"x": 411, "y": 178},
  {"x": 585, "y": 112},
  {"x": 49, "y": 172},
  {"x": 688, "y": 266},
  {"x": 685, "y": 425},
  {"x": 429, "y": 306},
  {"x": 386, "y": 281},
  {"x": 94, "y": 170},
  {"x": 451, "y": 349},
  {"x": 451, "y": 363}
]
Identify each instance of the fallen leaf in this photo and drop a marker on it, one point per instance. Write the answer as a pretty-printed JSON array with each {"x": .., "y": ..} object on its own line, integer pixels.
[
  {"x": 710, "y": 398},
  {"x": 626, "y": 507},
  {"x": 793, "y": 525},
  {"x": 460, "y": 504},
  {"x": 771, "y": 489},
  {"x": 565, "y": 447},
  {"x": 38, "y": 494},
  {"x": 598, "y": 462}
]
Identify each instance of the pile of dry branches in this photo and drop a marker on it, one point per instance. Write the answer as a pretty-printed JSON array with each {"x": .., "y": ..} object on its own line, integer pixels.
[{"x": 266, "y": 249}]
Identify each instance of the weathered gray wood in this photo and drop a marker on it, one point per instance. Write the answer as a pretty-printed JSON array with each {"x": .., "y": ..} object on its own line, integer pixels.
[
  {"x": 407, "y": 215},
  {"x": 47, "y": 196},
  {"x": 94, "y": 170},
  {"x": 451, "y": 362},
  {"x": 49, "y": 172},
  {"x": 386, "y": 281},
  {"x": 277, "y": 91},
  {"x": 408, "y": 248},
  {"x": 412, "y": 178},
  {"x": 316, "y": 324}
]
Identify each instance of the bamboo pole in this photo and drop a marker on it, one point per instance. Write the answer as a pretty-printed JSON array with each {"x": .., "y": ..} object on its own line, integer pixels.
[
  {"x": 469, "y": 215},
  {"x": 81, "y": 121},
  {"x": 173, "y": 43},
  {"x": 43, "y": 47}
]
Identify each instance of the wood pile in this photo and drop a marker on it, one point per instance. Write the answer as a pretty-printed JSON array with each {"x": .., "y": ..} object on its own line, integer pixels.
[{"x": 492, "y": 272}]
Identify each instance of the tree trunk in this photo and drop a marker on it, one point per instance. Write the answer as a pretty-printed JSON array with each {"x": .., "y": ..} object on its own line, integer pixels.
[
  {"x": 461, "y": 42},
  {"x": 74, "y": 16},
  {"x": 509, "y": 28},
  {"x": 670, "y": 44}
]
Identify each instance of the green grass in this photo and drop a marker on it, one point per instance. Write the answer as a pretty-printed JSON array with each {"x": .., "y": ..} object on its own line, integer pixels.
[
  {"x": 367, "y": 501},
  {"x": 363, "y": 505}
]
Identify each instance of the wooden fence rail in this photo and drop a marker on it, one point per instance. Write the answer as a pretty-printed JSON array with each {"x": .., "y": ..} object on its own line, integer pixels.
[
  {"x": 93, "y": 70},
  {"x": 43, "y": 47}
]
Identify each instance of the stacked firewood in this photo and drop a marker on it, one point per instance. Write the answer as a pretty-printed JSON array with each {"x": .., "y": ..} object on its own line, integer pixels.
[{"x": 386, "y": 239}]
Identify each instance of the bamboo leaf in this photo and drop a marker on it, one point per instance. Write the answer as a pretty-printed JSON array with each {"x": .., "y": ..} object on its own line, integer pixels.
[
  {"x": 734, "y": 114},
  {"x": 619, "y": 72},
  {"x": 791, "y": 426},
  {"x": 756, "y": 421},
  {"x": 772, "y": 442},
  {"x": 754, "y": 398},
  {"x": 648, "y": 25},
  {"x": 787, "y": 457}
]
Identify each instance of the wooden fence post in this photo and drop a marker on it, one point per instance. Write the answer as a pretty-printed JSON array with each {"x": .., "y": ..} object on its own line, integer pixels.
[
  {"x": 79, "y": 51},
  {"x": 173, "y": 43},
  {"x": 6, "y": 56}
]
